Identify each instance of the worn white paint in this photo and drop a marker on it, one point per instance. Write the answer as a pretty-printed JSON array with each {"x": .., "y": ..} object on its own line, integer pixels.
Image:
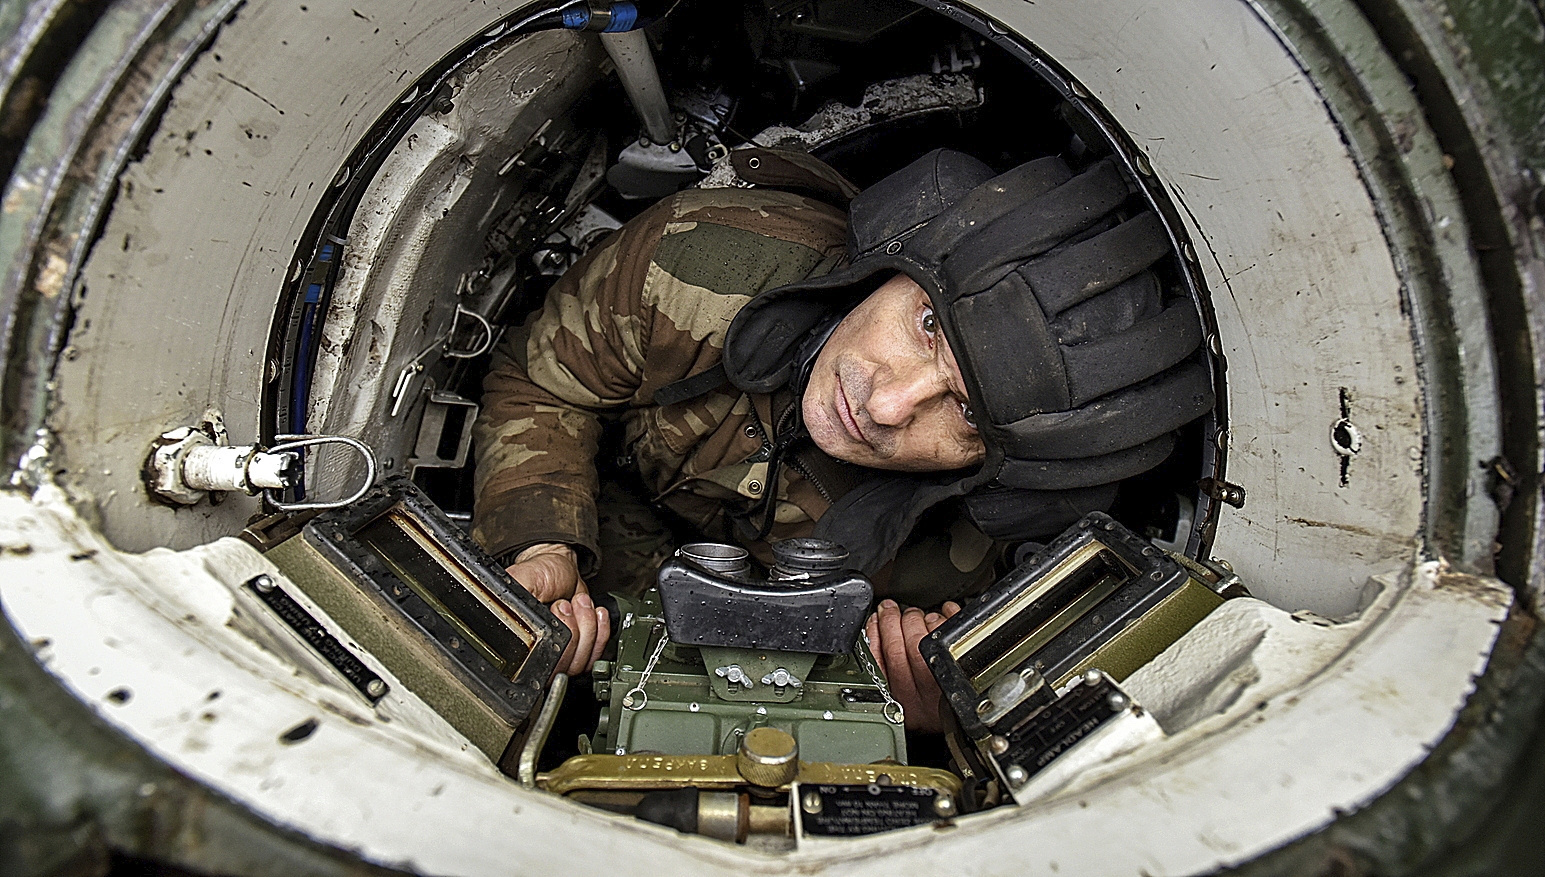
[
  {"x": 1333, "y": 715},
  {"x": 1307, "y": 303},
  {"x": 181, "y": 290},
  {"x": 420, "y": 227}
]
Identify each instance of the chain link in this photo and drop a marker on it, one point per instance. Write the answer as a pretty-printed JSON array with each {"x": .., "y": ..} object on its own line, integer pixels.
[
  {"x": 636, "y": 698},
  {"x": 893, "y": 711}
]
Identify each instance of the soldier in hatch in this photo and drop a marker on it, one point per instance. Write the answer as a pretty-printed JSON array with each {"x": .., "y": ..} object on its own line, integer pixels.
[{"x": 988, "y": 355}]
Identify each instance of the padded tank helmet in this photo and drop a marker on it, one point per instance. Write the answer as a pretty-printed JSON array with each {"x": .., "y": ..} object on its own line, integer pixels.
[{"x": 1079, "y": 371}]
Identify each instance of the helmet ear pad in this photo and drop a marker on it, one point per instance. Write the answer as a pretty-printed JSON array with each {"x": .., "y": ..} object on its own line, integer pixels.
[{"x": 1078, "y": 367}]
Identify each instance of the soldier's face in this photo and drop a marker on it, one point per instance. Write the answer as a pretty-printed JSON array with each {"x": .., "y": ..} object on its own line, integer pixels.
[{"x": 886, "y": 391}]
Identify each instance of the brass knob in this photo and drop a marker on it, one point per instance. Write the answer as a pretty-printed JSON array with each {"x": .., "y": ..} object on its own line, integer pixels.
[{"x": 768, "y": 757}]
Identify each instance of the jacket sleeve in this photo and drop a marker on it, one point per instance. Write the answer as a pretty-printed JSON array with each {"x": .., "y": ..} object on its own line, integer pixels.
[
  {"x": 641, "y": 311},
  {"x": 549, "y": 384}
]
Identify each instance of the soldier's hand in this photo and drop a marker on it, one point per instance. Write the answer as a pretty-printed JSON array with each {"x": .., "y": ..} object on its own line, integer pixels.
[
  {"x": 893, "y": 638},
  {"x": 550, "y": 571},
  {"x": 590, "y": 626}
]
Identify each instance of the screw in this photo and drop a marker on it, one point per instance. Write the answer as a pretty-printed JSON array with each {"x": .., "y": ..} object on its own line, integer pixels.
[
  {"x": 263, "y": 584},
  {"x": 375, "y": 688},
  {"x": 1016, "y": 775},
  {"x": 810, "y": 802}
]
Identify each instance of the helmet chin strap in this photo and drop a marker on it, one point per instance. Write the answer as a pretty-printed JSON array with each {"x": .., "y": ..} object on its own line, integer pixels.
[
  {"x": 807, "y": 351},
  {"x": 794, "y": 430}
]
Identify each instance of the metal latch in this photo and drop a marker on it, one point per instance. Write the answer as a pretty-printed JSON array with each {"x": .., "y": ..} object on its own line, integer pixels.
[{"x": 190, "y": 463}]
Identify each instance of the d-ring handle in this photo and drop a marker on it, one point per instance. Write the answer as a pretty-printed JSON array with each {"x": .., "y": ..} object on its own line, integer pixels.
[
  {"x": 295, "y": 442},
  {"x": 481, "y": 348}
]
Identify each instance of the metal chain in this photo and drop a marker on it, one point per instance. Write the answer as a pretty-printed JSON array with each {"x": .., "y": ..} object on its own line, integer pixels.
[
  {"x": 893, "y": 711},
  {"x": 636, "y": 698}
]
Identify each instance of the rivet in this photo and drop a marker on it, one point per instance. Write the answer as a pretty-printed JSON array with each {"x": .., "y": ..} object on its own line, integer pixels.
[
  {"x": 754, "y": 487},
  {"x": 893, "y": 248},
  {"x": 753, "y": 163}
]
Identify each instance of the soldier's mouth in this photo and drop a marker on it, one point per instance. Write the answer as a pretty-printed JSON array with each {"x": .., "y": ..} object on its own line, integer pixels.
[{"x": 845, "y": 413}]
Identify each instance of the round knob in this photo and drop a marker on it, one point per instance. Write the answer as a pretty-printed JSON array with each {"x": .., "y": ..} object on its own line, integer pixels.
[
  {"x": 768, "y": 757},
  {"x": 806, "y": 557}
]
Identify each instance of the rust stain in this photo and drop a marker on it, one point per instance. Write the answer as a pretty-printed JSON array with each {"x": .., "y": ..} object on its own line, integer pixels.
[
  {"x": 1487, "y": 591},
  {"x": 1351, "y": 528}
]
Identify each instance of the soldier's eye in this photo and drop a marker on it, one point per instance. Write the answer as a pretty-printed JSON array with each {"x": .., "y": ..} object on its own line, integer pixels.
[
  {"x": 930, "y": 322},
  {"x": 968, "y": 414}
]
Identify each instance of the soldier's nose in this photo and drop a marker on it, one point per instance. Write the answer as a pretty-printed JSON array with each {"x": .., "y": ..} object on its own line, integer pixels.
[{"x": 897, "y": 397}]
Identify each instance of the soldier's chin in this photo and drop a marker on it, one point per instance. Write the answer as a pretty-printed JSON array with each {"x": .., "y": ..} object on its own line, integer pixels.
[{"x": 832, "y": 439}]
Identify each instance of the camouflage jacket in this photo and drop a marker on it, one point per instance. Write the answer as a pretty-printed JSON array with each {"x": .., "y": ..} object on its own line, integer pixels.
[{"x": 649, "y": 307}]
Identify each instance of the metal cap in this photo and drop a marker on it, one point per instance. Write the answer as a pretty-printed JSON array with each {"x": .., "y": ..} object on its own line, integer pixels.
[
  {"x": 768, "y": 757},
  {"x": 718, "y": 557},
  {"x": 806, "y": 557}
]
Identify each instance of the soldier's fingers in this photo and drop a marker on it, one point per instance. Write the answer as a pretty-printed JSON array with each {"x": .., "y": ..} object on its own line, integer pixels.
[
  {"x": 872, "y": 629},
  {"x": 565, "y": 614},
  {"x": 603, "y": 632},
  {"x": 914, "y": 628},
  {"x": 893, "y": 645},
  {"x": 933, "y": 620},
  {"x": 584, "y": 619},
  {"x": 950, "y": 609}
]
